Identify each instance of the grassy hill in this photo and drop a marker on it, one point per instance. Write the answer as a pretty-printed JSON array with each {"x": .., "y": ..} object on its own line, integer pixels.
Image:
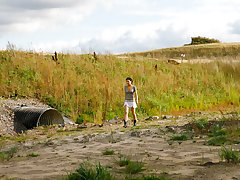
[
  {"x": 93, "y": 91},
  {"x": 210, "y": 51}
]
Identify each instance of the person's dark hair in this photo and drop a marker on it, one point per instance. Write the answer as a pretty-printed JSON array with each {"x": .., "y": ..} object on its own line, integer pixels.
[{"x": 130, "y": 79}]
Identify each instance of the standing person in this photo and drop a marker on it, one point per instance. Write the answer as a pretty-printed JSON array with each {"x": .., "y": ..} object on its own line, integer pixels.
[{"x": 130, "y": 97}]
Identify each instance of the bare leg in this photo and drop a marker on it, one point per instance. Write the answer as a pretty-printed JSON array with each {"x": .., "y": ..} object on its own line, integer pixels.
[
  {"x": 126, "y": 115},
  {"x": 134, "y": 116},
  {"x": 133, "y": 113}
]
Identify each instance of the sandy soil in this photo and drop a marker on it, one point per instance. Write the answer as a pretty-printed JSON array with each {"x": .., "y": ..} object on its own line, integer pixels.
[{"x": 60, "y": 152}]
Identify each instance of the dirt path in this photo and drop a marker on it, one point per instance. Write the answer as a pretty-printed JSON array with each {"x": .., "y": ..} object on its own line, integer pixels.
[{"x": 61, "y": 152}]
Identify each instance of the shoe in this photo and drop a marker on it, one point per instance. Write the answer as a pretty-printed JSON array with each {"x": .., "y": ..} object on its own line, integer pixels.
[
  {"x": 125, "y": 124},
  {"x": 134, "y": 122}
]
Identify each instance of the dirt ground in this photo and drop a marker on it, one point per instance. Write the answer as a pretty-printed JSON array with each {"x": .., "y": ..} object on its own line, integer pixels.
[{"x": 59, "y": 151}]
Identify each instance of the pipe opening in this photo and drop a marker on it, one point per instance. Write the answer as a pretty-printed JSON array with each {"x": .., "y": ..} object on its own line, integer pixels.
[{"x": 30, "y": 117}]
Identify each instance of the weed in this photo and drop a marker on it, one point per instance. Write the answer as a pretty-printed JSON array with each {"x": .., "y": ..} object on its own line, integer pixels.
[
  {"x": 179, "y": 138},
  {"x": 33, "y": 155},
  {"x": 7, "y": 155},
  {"x": 229, "y": 154},
  {"x": 215, "y": 133},
  {"x": 134, "y": 167},
  {"x": 49, "y": 136},
  {"x": 90, "y": 172},
  {"x": 60, "y": 130},
  {"x": 108, "y": 152},
  {"x": 123, "y": 160},
  {"x": 217, "y": 141},
  {"x": 202, "y": 123}
]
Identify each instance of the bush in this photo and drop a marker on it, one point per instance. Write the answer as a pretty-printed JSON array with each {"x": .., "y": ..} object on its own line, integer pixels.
[
  {"x": 229, "y": 155},
  {"x": 87, "y": 171},
  {"x": 203, "y": 40}
]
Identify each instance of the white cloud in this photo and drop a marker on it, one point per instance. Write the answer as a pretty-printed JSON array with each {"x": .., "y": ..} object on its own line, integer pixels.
[
  {"x": 118, "y": 25},
  {"x": 31, "y": 15},
  {"x": 128, "y": 41}
]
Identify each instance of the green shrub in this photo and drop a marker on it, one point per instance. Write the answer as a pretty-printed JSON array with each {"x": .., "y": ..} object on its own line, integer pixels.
[
  {"x": 229, "y": 154},
  {"x": 179, "y": 138},
  {"x": 108, "y": 152},
  {"x": 217, "y": 141},
  {"x": 87, "y": 171},
  {"x": 134, "y": 167}
]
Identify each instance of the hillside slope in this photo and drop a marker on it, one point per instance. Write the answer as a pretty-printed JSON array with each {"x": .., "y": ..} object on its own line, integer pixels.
[
  {"x": 209, "y": 51},
  {"x": 88, "y": 90}
]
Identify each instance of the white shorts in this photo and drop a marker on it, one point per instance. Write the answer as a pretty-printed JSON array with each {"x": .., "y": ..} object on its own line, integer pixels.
[{"x": 130, "y": 104}]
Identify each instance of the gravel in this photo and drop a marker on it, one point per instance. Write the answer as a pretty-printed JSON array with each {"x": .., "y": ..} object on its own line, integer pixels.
[{"x": 7, "y": 115}]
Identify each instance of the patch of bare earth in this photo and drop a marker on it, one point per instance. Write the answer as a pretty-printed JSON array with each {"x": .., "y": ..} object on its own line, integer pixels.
[{"x": 61, "y": 149}]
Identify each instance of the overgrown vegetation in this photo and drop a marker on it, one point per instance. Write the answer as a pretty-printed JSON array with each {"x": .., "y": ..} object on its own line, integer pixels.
[{"x": 87, "y": 91}]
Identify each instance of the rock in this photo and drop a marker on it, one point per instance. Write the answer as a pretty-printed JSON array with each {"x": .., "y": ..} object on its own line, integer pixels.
[
  {"x": 81, "y": 126},
  {"x": 7, "y": 124},
  {"x": 149, "y": 119},
  {"x": 112, "y": 121},
  {"x": 84, "y": 139},
  {"x": 68, "y": 121},
  {"x": 167, "y": 116},
  {"x": 135, "y": 134},
  {"x": 155, "y": 117}
]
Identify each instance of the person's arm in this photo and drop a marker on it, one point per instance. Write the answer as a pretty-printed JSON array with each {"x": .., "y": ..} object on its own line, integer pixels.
[{"x": 136, "y": 97}]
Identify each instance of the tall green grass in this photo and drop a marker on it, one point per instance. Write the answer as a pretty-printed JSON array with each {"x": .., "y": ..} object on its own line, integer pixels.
[{"x": 88, "y": 91}]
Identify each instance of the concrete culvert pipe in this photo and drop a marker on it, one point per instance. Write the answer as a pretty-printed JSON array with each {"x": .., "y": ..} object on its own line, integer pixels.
[{"x": 31, "y": 117}]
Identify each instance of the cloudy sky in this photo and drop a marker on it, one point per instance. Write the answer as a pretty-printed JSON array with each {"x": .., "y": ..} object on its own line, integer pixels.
[{"x": 115, "y": 26}]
